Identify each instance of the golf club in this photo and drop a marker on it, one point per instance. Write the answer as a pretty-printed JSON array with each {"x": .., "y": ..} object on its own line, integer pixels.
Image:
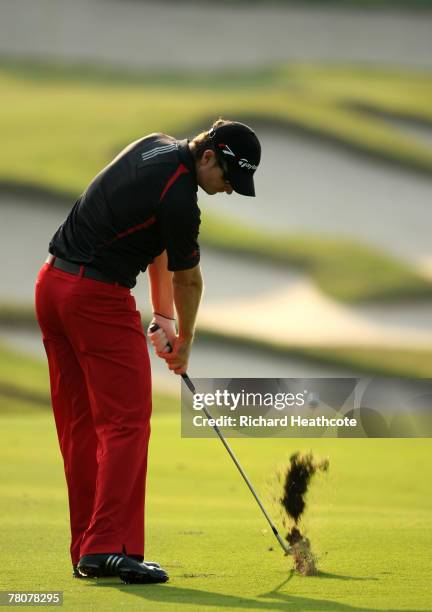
[{"x": 287, "y": 549}]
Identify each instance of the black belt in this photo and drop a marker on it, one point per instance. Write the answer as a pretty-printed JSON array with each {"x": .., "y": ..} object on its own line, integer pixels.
[{"x": 89, "y": 272}]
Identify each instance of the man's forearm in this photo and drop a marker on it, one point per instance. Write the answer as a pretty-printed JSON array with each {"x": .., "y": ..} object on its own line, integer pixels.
[
  {"x": 161, "y": 286},
  {"x": 187, "y": 297}
]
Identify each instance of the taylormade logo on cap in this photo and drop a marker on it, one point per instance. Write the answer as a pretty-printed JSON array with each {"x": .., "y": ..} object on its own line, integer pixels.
[{"x": 243, "y": 163}]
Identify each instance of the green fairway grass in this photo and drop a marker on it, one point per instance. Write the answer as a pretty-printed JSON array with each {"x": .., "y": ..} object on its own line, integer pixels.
[
  {"x": 369, "y": 521},
  {"x": 25, "y": 374}
]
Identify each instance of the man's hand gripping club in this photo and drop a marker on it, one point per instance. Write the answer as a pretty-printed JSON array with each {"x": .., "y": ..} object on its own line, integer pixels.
[
  {"x": 175, "y": 352},
  {"x": 164, "y": 334}
]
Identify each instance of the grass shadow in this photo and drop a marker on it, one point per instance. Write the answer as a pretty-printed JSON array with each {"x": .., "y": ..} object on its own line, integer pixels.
[
  {"x": 275, "y": 592},
  {"x": 343, "y": 577},
  {"x": 198, "y": 598}
]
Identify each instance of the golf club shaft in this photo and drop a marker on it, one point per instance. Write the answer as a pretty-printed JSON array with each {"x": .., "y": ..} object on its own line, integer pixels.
[
  {"x": 279, "y": 538},
  {"x": 191, "y": 387}
]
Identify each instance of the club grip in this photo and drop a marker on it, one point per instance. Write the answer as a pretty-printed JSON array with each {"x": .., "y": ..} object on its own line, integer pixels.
[{"x": 152, "y": 329}]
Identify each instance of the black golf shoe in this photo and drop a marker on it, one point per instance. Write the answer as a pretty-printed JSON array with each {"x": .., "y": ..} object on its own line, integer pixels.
[
  {"x": 117, "y": 564},
  {"x": 76, "y": 574}
]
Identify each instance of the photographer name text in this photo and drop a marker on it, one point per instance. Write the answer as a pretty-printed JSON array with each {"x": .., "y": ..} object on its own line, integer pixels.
[{"x": 262, "y": 421}]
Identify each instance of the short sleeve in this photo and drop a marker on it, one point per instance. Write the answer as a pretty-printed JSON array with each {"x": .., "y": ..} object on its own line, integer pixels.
[{"x": 179, "y": 220}]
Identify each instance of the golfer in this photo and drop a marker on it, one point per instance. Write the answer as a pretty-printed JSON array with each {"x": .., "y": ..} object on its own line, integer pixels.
[{"x": 139, "y": 213}]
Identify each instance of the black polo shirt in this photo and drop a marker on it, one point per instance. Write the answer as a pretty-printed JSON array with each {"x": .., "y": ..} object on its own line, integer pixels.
[{"x": 142, "y": 203}]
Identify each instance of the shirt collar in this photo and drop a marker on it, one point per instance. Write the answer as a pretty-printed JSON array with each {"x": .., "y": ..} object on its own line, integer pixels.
[{"x": 187, "y": 159}]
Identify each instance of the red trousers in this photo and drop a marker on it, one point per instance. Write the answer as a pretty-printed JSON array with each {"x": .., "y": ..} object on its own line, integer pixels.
[{"x": 101, "y": 396}]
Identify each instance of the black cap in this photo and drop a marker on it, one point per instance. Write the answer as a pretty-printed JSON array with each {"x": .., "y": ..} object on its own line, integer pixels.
[{"x": 239, "y": 150}]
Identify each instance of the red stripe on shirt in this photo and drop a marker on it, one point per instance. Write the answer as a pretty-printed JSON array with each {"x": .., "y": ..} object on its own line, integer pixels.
[
  {"x": 180, "y": 170},
  {"x": 133, "y": 229}
]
